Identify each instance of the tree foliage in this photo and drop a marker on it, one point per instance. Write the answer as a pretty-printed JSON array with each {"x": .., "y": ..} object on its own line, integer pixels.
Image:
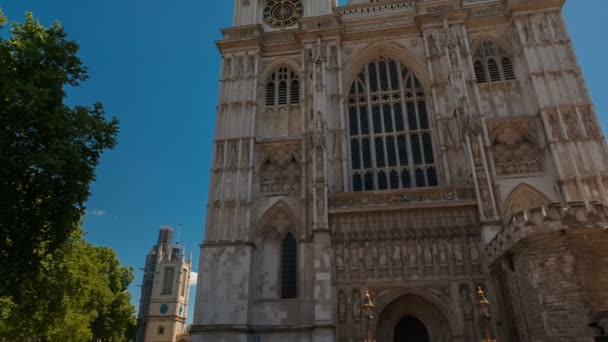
[{"x": 54, "y": 286}]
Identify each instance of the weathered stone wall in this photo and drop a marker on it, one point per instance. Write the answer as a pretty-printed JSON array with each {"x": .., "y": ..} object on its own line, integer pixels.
[{"x": 551, "y": 279}]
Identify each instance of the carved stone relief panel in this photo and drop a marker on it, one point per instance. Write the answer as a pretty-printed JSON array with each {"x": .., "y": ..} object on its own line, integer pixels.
[
  {"x": 406, "y": 246},
  {"x": 515, "y": 149},
  {"x": 280, "y": 171}
]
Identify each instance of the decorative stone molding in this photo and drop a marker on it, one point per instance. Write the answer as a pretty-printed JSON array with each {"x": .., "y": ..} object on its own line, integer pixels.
[
  {"x": 390, "y": 199},
  {"x": 374, "y": 9},
  {"x": 243, "y": 32}
]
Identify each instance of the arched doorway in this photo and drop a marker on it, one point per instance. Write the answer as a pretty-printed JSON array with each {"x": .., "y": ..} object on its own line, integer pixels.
[
  {"x": 412, "y": 318},
  {"x": 410, "y": 329}
]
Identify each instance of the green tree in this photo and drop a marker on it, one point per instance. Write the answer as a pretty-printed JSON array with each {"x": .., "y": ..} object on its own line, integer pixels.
[
  {"x": 48, "y": 150},
  {"x": 54, "y": 286}
]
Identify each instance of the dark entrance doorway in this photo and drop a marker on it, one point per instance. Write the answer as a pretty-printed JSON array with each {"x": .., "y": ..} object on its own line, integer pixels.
[{"x": 410, "y": 329}]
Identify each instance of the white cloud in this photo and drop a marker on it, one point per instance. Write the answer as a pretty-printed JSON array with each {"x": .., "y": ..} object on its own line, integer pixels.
[
  {"x": 193, "y": 278},
  {"x": 99, "y": 212}
]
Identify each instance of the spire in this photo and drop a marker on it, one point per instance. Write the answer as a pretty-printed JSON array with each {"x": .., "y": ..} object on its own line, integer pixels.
[{"x": 190, "y": 258}]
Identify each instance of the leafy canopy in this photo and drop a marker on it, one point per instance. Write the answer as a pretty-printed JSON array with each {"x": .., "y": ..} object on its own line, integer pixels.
[{"x": 54, "y": 286}]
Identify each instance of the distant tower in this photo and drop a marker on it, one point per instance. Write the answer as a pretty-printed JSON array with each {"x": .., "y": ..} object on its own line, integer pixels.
[{"x": 163, "y": 307}]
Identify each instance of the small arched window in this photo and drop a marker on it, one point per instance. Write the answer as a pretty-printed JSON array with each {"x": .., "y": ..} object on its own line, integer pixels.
[
  {"x": 492, "y": 64},
  {"x": 161, "y": 331},
  {"x": 289, "y": 267},
  {"x": 283, "y": 88}
]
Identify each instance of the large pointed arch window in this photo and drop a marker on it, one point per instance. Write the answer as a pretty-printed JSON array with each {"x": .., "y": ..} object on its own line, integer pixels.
[
  {"x": 289, "y": 267},
  {"x": 390, "y": 129}
]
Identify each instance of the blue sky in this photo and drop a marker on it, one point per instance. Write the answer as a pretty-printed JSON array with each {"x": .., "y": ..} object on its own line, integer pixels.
[{"x": 154, "y": 65}]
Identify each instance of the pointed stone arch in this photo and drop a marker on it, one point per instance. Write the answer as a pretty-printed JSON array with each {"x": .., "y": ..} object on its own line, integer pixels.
[
  {"x": 430, "y": 309},
  {"x": 389, "y": 121},
  {"x": 417, "y": 65},
  {"x": 500, "y": 42},
  {"x": 523, "y": 197},
  {"x": 277, "y": 223},
  {"x": 279, "y": 218}
]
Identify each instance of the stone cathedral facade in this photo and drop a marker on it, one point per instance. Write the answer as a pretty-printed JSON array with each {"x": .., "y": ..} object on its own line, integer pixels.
[{"x": 416, "y": 149}]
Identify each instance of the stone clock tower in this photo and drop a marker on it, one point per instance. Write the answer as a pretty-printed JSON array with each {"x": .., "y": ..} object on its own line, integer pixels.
[
  {"x": 164, "y": 302},
  {"x": 429, "y": 151}
]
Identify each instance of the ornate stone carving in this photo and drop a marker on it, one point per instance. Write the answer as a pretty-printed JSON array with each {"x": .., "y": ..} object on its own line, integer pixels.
[
  {"x": 401, "y": 197},
  {"x": 515, "y": 150},
  {"x": 373, "y": 9},
  {"x": 280, "y": 171}
]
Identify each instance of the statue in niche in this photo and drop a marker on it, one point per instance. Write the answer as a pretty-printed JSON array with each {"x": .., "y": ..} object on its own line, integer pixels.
[
  {"x": 383, "y": 259},
  {"x": 474, "y": 253},
  {"x": 465, "y": 301},
  {"x": 413, "y": 256},
  {"x": 458, "y": 256},
  {"x": 369, "y": 262},
  {"x": 354, "y": 260},
  {"x": 428, "y": 256},
  {"x": 339, "y": 258},
  {"x": 442, "y": 254},
  {"x": 356, "y": 305},
  {"x": 341, "y": 306},
  {"x": 397, "y": 256},
  {"x": 319, "y": 54},
  {"x": 433, "y": 49},
  {"x": 250, "y": 66}
]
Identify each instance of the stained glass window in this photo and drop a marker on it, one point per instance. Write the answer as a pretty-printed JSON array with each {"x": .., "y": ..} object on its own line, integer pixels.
[{"x": 390, "y": 131}]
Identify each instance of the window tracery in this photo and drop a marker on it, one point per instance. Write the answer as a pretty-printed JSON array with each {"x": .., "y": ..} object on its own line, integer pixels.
[
  {"x": 492, "y": 64},
  {"x": 168, "y": 281},
  {"x": 283, "y": 88},
  {"x": 389, "y": 128}
]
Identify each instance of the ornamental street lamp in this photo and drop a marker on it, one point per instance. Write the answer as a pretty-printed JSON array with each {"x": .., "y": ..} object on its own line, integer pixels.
[
  {"x": 368, "y": 309},
  {"x": 486, "y": 319}
]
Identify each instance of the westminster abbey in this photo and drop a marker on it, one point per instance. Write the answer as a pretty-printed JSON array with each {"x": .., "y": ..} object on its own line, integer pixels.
[{"x": 443, "y": 156}]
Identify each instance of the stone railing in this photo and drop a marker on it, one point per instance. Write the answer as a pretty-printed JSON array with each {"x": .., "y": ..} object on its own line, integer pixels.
[
  {"x": 373, "y": 9},
  {"x": 441, "y": 195},
  {"x": 544, "y": 220}
]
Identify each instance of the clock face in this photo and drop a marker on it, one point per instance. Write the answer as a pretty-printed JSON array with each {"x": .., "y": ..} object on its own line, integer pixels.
[
  {"x": 163, "y": 309},
  {"x": 283, "y": 13}
]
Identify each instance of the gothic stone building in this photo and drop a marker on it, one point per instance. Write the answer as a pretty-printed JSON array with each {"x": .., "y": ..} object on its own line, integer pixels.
[
  {"x": 163, "y": 308},
  {"x": 416, "y": 149}
]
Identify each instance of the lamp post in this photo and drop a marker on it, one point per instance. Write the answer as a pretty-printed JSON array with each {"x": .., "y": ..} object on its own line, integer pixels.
[
  {"x": 486, "y": 319},
  {"x": 368, "y": 309}
]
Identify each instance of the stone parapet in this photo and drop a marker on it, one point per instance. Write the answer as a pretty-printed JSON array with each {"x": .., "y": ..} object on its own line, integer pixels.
[{"x": 543, "y": 220}]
